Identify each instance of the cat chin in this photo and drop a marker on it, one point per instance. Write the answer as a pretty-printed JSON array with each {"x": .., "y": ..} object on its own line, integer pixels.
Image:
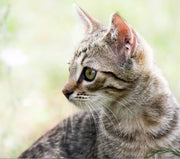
[
  {"x": 79, "y": 104},
  {"x": 85, "y": 105}
]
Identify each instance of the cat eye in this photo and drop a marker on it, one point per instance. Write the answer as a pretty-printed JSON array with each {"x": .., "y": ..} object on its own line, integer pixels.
[{"x": 89, "y": 74}]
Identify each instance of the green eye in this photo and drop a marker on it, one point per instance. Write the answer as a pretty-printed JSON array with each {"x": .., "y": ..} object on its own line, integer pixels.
[{"x": 89, "y": 74}]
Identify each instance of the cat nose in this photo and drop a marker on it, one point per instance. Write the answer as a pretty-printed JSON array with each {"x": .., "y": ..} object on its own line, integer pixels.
[{"x": 67, "y": 92}]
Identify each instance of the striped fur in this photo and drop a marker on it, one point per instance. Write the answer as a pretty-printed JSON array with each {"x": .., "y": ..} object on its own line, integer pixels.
[{"x": 132, "y": 111}]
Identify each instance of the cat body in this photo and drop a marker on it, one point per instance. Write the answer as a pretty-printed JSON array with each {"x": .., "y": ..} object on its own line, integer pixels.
[
  {"x": 74, "y": 137},
  {"x": 132, "y": 110}
]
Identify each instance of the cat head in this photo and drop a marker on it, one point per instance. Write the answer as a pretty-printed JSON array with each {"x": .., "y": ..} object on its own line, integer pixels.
[{"x": 108, "y": 63}]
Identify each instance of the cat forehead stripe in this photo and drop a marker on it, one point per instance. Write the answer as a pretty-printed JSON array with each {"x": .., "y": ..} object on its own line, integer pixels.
[{"x": 84, "y": 57}]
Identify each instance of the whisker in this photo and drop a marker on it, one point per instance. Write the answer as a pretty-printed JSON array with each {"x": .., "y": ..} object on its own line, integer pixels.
[
  {"x": 98, "y": 114},
  {"x": 122, "y": 104},
  {"x": 109, "y": 116},
  {"x": 108, "y": 108},
  {"x": 101, "y": 120},
  {"x": 91, "y": 112}
]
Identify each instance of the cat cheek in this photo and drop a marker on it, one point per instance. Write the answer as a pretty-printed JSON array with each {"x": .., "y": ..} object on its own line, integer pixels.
[{"x": 95, "y": 85}]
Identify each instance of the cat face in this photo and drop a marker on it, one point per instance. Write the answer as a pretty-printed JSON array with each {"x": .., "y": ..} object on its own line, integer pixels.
[
  {"x": 91, "y": 86},
  {"x": 107, "y": 65}
]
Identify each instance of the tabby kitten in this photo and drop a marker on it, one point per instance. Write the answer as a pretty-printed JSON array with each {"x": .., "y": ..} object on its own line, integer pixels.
[{"x": 132, "y": 111}]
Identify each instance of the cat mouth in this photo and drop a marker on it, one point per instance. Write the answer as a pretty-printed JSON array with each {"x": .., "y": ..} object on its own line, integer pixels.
[
  {"x": 79, "y": 100},
  {"x": 82, "y": 98}
]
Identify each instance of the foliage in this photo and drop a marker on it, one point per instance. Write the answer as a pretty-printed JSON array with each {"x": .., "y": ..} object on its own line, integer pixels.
[{"x": 167, "y": 150}]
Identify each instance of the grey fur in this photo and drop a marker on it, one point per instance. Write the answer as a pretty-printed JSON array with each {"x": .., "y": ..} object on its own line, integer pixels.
[{"x": 73, "y": 138}]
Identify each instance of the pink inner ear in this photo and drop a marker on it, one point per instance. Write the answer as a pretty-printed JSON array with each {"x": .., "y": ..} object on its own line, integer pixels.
[{"x": 124, "y": 32}]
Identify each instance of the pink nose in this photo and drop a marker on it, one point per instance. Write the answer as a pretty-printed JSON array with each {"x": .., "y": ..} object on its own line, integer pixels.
[{"x": 67, "y": 92}]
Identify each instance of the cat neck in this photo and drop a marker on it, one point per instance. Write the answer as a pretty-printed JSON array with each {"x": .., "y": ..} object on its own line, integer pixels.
[{"x": 148, "y": 109}]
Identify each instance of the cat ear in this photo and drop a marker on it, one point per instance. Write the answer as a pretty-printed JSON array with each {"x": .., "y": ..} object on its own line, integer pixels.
[
  {"x": 90, "y": 24},
  {"x": 122, "y": 33}
]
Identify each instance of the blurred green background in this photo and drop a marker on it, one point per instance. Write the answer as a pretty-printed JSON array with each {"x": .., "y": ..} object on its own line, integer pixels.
[{"x": 37, "y": 37}]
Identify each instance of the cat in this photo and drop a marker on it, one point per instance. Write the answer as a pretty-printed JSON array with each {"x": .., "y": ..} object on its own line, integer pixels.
[{"x": 129, "y": 110}]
